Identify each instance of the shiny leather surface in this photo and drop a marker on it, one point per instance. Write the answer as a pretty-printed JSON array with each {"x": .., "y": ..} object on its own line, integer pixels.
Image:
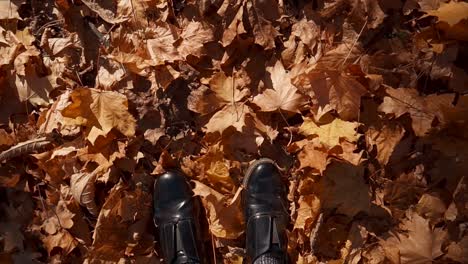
[
  {"x": 265, "y": 210},
  {"x": 176, "y": 215}
]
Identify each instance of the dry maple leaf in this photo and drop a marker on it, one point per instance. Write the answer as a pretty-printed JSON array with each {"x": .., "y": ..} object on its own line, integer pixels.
[
  {"x": 216, "y": 167},
  {"x": 113, "y": 13},
  {"x": 193, "y": 36},
  {"x": 422, "y": 244},
  {"x": 161, "y": 46},
  {"x": 99, "y": 110},
  {"x": 226, "y": 90},
  {"x": 313, "y": 157},
  {"x": 235, "y": 28},
  {"x": 342, "y": 92},
  {"x": 344, "y": 188},
  {"x": 9, "y": 9},
  {"x": 385, "y": 139},
  {"x": 307, "y": 31},
  {"x": 224, "y": 221},
  {"x": 283, "y": 96},
  {"x": 231, "y": 115},
  {"x": 308, "y": 211},
  {"x": 330, "y": 134},
  {"x": 422, "y": 109},
  {"x": 264, "y": 33}
]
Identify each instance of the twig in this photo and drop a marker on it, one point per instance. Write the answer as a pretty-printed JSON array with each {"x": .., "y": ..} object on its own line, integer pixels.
[{"x": 354, "y": 43}]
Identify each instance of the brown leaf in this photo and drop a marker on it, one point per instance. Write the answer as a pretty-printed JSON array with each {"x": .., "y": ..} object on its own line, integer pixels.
[
  {"x": 422, "y": 244},
  {"x": 216, "y": 167},
  {"x": 100, "y": 111},
  {"x": 83, "y": 190},
  {"x": 263, "y": 31},
  {"x": 331, "y": 133},
  {"x": 194, "y": 36},
  {"x": 62, "y": 239},
  {"x": 385, "y": 140},
  {"x": 283, "y": 95},
  {"x": 451, "y": 13},
  {"x": 227, "y": 89},
  {"x": 161, "y": 46},
  {"x": 230, "y": 115},
  {"x": 422, "y": 110},
  {"x": 344, "y": 188},
  {"x": 313, "y": 157},
  {"x": 235, "y": 28},
  {"x": 342, "y": 92},
  {"x": 225, "y": 221},
  {"x": 9, "y": 9},
  {"x": 307, "y": 213},
  {"x": 307, "y": 31},
  {"x": 114, "y": 13}
]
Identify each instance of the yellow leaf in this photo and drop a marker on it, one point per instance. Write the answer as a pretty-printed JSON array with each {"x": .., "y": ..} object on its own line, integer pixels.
[
  {"x": 330, "y": 134},
  {"x": 451, "y": 13},
  {"x": 104, "y": 110}
]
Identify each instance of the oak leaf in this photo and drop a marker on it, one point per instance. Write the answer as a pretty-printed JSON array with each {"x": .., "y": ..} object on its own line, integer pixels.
[
  {"x": 283, "y": 96},
  {"x": 101, "y": 110},
  {"x": 331, "y": 133}
]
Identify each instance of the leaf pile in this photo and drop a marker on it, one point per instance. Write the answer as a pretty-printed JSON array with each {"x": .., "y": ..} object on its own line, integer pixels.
[{"x": 361, "y": 102}]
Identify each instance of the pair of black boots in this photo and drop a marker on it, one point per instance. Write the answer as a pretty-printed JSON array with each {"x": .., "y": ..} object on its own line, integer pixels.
[{"x": 176, "y": 216}]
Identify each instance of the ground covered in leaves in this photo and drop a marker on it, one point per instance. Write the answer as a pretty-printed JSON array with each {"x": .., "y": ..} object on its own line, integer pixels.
[{"x": 361, "y": 102}]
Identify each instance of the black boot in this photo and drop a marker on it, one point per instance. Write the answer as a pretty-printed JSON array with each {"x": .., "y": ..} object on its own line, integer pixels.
[
  {"x": 266, "y": 213},
  {"x": 176, "y": 218}
]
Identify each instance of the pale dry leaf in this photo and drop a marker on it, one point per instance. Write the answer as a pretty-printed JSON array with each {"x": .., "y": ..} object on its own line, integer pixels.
[
  {"x": 9, "y": 9},
  {"x": 235, "y": 28},
  {"x": 83, "y": 190},
  {"x": 62, "y": 239},
  {"x": 263, "y": 31},
  {"x": 283, "y": 96},
  {"x": 331, "y": 133},
  {"x": 458, "y": 251},
  {"x": 103, "y": 110},
  {"x": 451, "y": 13},
  {"x": 422, "y": 109},
  {"x": 194, "y": 36},
  {"x": 161, "y": 46},
  {"x": 216, "y": 167},
  {"x": 114, "y": 12},
  {"x": 307, "y": 31},
  {"x": 230, "y": 115},
  {"x": 226, "y": 89}
]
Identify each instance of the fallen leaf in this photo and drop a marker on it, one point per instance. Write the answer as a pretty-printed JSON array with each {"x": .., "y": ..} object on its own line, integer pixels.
[
  {"x": 342, "y": 92},
  {"x": 83, "y": 190},
  {"x": 283, "y": 96},
  {"x": 344, "y": 188},
  {"x": 331, "y": 133},
  {"x": 194, "y": 36},
  {"x": 313, "y": 157},
  {"x": 307, "y": 213},
  {"x": 385, "y": 139},
  {"x": 162, "y": 46},
  {"x": 451, "y": 12},
  {"x": 9, "y": 9},
  {"x": 231, "y": 115},
  {"x": 422, "y": 244},
  {"x": 422, "y": 110},
  {"x": 225, "y": 221},
  {"x": 101, "y": 110}
]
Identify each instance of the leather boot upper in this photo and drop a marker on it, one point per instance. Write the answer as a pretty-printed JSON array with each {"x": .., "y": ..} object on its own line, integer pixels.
[
  {"x": 265, "y": 210},
  {"x": 175, "y": 216}
]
